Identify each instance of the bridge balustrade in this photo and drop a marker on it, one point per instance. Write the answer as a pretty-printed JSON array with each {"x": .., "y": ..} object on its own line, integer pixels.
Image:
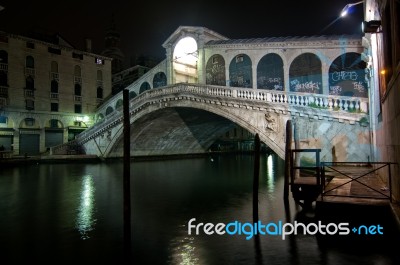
[{"x": 319, "y": 101}]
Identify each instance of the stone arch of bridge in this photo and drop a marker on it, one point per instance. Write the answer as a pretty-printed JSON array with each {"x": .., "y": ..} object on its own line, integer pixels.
[{"x": 252, "y": 126}]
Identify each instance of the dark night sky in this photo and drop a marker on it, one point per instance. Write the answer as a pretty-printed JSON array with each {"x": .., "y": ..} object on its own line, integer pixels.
[{"x": 144, "y": 28}]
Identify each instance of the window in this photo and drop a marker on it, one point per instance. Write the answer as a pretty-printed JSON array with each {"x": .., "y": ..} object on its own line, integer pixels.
[
  {"x": 29, "y": 62},
  {"x": 54, "y": 67},
  {"x": 54, "y": 123},
  {"x": 3, "y": 38},
  {"x": 77, "y": 56},
  {"x": 54, "y": 107},
  {"x": 3, "y": 78},
  {"x": 99, "y": 61},
  {"x": 78, "y": 90},
  {"x": 3, "y": 57},
  {"x": 78, "y": 108},
  {"x": 99, "y": 75},
  {"x": 54, "y": 50},
  {"x": 29, "y": 104},
  {"x": 54, "y": 86},
  {"x": 3, "y": 119},
  {"x": 30, "y": 83},
  {"x": 99, "y": 92},
  {"x": 77, "y": 70},
  {"x": 30, "y": 45},
  {"x": 29, "y": 121}
]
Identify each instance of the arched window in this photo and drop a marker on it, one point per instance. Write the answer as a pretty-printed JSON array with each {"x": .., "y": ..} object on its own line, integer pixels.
[
  {"x": 347, "y": 76},
  {"x": 240, "y": 71},
  {"x": 119, "y": 104},
  {"x": 159, "y": 80},
  {"x": 99, "y": 92},
  {"x": 270, "y": 72},
  {"x": 145, "y": 86},
  {"x": 109, "y": 110},
  {"x": 305, "y": 74},
  {"x": 215, "y": 71},
  {"x": 132, "y": 94},
  {"x": 29, "y": 62},
  {"x": 78, "y": 90}
]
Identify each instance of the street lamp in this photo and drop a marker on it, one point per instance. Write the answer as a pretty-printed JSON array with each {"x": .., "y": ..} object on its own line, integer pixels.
[
  {"x": 347, "y": 7},
  {"x": 344, "y": 12}
]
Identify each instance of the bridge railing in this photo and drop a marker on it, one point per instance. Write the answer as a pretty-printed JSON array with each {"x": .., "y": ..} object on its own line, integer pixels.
[{"x": 328, "y": 102}]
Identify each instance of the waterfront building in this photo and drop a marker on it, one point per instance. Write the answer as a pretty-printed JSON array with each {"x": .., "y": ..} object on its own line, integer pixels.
[
  {"x": 382, "y": 35},
  {"x": 49, "y": 91}
]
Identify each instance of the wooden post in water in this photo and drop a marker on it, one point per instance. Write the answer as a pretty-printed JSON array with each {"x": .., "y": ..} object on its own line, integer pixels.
[
  {"x": 288, "y": 147},
  {"x": 256, "y": 177},
  {"x": 127, "y": 173}
]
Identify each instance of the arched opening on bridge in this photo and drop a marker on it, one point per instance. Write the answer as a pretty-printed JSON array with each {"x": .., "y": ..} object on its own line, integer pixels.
[
  {"x": 215, "y": 71},
  {"x": 159, "y": 80},
  {"x": 347, "y": 76},
  {"x": 119, "y": 104},
  {"x": 240, "y": 72},
  {"x": 132, "y": 94},
  {"x": 143, "y": 87},
  {"x": 185, "y": 58},
  {"x": 305, "y": 74},
  {"x": 270, "y": 72},
  {"x": 109, "y": 110},
  {"x": 184, "y": 130}
]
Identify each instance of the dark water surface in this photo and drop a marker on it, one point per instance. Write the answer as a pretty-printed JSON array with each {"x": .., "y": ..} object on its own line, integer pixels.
[{"x": 73, "y": 214}]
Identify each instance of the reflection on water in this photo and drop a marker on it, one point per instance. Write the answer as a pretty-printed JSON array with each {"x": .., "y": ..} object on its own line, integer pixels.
[
  {"x": 184, "y": 252},
  {"x": 74, "y": 212},
  {"x": 270, "y": 174},
  {"x": 85, "y": 220}
]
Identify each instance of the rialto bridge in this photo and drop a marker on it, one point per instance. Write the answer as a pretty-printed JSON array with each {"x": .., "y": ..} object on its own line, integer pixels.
[{"x": 209, "y": 83}]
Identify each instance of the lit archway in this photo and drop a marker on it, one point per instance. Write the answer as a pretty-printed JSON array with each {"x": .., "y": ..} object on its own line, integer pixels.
[{"x": 185, "y": 58}]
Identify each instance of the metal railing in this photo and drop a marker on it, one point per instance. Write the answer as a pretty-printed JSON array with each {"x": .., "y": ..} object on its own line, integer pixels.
[
  {"x": 341, "y": 170},
  {"x": 313, "y": 171}
]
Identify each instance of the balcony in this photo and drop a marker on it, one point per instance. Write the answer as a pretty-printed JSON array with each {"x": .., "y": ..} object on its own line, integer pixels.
[
  {"x": 30, "y": 71},
  {"x": 3, "y": 67},
  {"x": 3, "y": 102},
  {"x": 54, "y": 76},
  {"x": 77, "y": 80},
  {"x": 3, "y": 91},
  {"x": 54, "y": 96},
  {"x": 78, "y": 98},
  {"x": 29, "y": 93}
]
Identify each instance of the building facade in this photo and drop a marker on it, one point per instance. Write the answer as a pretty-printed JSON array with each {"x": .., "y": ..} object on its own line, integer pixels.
[
  {"x": 48, "y": 92},
  {"x": 383, "y": 42}
]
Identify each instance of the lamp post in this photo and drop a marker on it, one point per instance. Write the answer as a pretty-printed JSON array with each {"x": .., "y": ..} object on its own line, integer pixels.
[
  {"x": 347, "y": 7},
  {"x": 343, "y": 13}
]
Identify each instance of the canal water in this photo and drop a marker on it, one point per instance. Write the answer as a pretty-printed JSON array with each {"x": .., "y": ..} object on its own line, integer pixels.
[{"x": 73, "y": 214}]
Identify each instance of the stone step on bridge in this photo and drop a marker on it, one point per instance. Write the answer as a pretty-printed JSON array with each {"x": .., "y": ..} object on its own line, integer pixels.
[{"x": 173, "y": 120}]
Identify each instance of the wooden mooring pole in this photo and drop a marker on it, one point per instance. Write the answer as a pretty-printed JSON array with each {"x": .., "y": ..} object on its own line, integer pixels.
[
  {"x": 288, "y": 148},
  {"x": 127, "y": 174},
  {"x": 256, "y": 177}
]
